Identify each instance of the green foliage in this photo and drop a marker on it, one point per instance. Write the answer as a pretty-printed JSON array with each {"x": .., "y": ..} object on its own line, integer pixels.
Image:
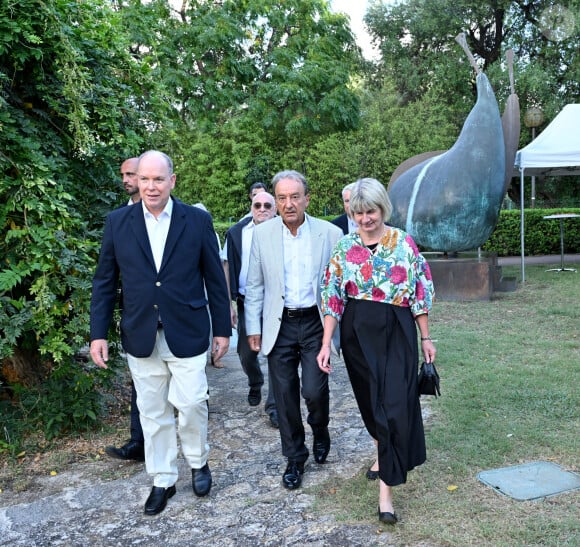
[
  {"x": 286, "y": 66},
  {"x": 541, "y": 236},
  {"x": 215, "y": 169},
  {"x": 417, "y": 42},
  {"x": 257, "y": 85},
  {"x": 71, "y": 107},
  {"x": 70, "y": 400},
  {"x": 67, "y": 401}
]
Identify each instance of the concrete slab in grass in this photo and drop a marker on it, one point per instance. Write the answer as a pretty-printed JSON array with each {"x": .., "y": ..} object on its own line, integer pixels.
[{"x": 530, "y": 481}]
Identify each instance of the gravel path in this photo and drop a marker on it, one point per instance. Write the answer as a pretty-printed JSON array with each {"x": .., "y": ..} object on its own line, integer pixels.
[{"x": 247, "y": 506}]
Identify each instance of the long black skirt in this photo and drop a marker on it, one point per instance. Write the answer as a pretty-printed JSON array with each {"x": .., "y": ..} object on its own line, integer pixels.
[{"x": 379, "y": 344}]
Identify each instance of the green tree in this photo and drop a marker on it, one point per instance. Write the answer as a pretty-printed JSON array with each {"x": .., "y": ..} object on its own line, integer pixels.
[
  {"x": 418, "y": 51},
  {"x": 251, "y": 79},
  {"x": 419, "y": 55},
  {"x": 286, "y": 63},
  {"x": 72, "y": 107}
]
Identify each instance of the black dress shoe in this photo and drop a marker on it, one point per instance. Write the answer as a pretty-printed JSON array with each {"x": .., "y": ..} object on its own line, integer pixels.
[
  {"x": 292, "y": 477},
  {"x": 157, "y": 500},
  {"x": 274, "y": 419},
  {"x": 372, "y": 475},
  {"x": 387, "y": 518},
  {"x": 321, "y": 446},
  {"x": 201, "y": 480},
  {"x": 255, "y": 396},
  {"x": 132, "y": 450}
]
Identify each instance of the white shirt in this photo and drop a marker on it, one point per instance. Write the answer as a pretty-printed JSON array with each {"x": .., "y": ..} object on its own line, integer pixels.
[
  {"x": 297, "y": 250},
  {"x": 247, "y": 235},
  {"x": 352, "y": 225},
  {"x": 157, "y": 230}
]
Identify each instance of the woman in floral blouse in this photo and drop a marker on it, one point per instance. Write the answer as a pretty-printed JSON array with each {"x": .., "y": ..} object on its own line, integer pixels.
[{"x": 379, "y": 287}]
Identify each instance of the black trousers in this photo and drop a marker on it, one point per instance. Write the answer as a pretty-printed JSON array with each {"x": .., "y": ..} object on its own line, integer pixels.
[
  {"x": 136, "y": 429},
  {"x": 297, "y": 345},
  {"x": 379, "y": 344},
  {"x": 249, "y": 360}
]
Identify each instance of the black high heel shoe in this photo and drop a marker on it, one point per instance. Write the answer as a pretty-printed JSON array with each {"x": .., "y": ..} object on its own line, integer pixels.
[{"x": 387, "y": 518}]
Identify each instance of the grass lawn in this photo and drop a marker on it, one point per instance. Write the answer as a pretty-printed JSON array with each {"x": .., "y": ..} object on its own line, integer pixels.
[{"x": 509, "y": 379}]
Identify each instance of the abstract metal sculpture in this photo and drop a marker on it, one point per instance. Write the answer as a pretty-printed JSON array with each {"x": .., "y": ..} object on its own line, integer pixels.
[{"x": 450, "y": 202}]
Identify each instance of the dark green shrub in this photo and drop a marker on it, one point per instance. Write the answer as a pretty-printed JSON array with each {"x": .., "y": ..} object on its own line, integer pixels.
[
  {"x": 541, "y": 236},
  {"x": 70, "y": 400}
]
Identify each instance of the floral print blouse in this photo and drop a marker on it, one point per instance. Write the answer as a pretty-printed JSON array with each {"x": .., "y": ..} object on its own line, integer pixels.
[{"x": 394, "y": 273}]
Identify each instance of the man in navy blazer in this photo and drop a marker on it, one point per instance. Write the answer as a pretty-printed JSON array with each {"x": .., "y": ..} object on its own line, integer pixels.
[
  {"x": 169, "y": 252},
  {"x": 345, "y": 221},
  {"x": 236, "y": 260}
]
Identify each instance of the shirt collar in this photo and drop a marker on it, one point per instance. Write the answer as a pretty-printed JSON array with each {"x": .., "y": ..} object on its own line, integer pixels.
[
  {"x": 302, "y": 229},
  {"x": 167, "y": 210}
]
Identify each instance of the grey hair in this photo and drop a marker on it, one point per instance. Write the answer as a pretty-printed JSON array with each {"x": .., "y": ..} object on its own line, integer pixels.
[
  {"x": 292, "y": 175},
  {"x": 369, "y": 194},
  {"x": 167, "y": 159},
  {"x": 347, "y": 188}
]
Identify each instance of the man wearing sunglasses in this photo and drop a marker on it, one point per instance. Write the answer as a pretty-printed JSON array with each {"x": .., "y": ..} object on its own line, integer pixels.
[
  {"x": 255, "y": 189},
  {"x": 236, "y": 258}
]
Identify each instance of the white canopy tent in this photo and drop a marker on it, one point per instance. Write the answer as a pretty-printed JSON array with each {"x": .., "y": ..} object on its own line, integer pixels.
[{"x": 555, "y": 152}]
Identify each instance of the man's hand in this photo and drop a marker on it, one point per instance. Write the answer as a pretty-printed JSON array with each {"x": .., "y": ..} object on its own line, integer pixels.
[
  {"x": 100, "y": 352},
  {"x": 219, "y": 347},
  {"x": 233, "y": 315}
]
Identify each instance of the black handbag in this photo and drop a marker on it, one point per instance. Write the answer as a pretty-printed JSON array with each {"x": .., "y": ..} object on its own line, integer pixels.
[{"x": 428, "y": 380}]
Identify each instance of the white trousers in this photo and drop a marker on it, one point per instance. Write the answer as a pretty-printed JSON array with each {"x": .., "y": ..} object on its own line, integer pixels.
[{"x": 164, "y": 382}]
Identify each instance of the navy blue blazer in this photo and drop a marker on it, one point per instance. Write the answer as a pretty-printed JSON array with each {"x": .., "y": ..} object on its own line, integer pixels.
[
  {"x": 175, "y": 294},
  {"x": 234, "y": 241},
  {"x": 342, "y": 222}
]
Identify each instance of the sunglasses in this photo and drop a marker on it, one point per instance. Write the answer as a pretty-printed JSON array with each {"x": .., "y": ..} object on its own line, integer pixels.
[{"x": 258, "y": 205}]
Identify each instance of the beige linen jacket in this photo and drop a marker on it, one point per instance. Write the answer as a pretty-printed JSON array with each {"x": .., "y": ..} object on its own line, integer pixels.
[{"x": 265, "y": 290}]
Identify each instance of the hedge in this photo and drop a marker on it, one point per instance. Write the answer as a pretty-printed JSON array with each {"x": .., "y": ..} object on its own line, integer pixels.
[{"x": 542, "y": 237}]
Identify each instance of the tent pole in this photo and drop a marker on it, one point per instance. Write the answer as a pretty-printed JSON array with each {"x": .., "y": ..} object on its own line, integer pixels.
[{"x": 522, "y": 223}]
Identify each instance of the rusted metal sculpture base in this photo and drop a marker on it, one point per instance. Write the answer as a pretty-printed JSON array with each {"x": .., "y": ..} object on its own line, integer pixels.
[{"x": 467, "y": 276}]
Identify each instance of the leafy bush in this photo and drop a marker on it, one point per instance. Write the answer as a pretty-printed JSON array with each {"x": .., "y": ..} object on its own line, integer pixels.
[
  {"x": 541, "y": 236},
  {"x": 69, "y": 400},
  {"x": 71, "y": 107}
]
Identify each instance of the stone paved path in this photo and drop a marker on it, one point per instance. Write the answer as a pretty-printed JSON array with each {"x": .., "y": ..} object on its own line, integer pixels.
[{"x": 247, "y": 505}]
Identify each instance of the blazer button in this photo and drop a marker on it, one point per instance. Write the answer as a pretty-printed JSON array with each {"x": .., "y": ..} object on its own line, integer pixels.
[
  {"x": 155, "y": 307},
  {"x": 158, "y": 284}
]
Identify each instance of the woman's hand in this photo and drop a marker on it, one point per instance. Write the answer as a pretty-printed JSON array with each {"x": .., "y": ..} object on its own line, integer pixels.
[
  {"x": 429, "y": 350},
  {"x": 323, "y": 359}
]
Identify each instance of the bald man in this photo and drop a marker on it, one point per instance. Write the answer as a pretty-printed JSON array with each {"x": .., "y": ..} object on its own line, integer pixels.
[{"x": 169, "y": 252}]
